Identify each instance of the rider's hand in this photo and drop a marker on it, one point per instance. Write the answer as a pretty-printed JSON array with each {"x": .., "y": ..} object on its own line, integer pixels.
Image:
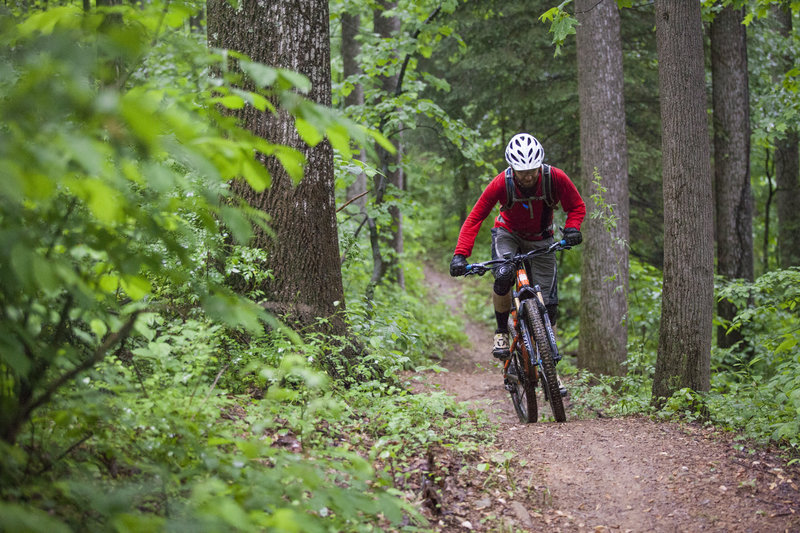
[
  {"x": 458, "y": 266},
  {"x": 572, "y": 236}
]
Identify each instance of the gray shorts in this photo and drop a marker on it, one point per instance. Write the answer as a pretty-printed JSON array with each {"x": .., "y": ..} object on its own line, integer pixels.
[{"x": 543, "y": 269}]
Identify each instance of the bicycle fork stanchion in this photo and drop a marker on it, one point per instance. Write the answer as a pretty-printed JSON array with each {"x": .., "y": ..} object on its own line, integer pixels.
[{"x": 551, "y": 335}]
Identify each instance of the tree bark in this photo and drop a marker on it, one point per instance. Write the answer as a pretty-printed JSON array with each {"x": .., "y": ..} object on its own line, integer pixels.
[
  {"x": 604, "y": 271},
  {"x": 303, "y": 251},
  {"x": 734, "y": 199},
  {"x": 787, "y": 177},
  {"x": 351, "y": 48},
  {"x": 684, "y": 351},
  {"x": 391, "y": 165}
]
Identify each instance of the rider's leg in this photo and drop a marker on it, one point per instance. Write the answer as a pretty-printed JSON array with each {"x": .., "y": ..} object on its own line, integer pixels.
[
  {"x": 503, "y": 242},
  {"x": 502, "y": 308}
]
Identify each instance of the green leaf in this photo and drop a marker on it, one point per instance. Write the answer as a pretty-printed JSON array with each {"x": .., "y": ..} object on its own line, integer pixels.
[
  {"x": 13, "y": 355},
  {"x": 104, "y": 202},
  {"x": 98, "y": 327},
  {"x": 15, "y": 517},
  {"x": 340, "y": 140},
  {"x": 309, "y": 133},
  {"x": 46, "y": 21},
  {"x": 134, "y": 523},
  {"x": 789, "y": 342},
  {"x": 256, "y": 175},
  {"x": 231, "y": 101},
  {"x": 237, "y": 223},
  {"x": 383, "y": 141},
  {"x": 250, "y": 449},
  {"x": 297, "y": 80},
  {"x": 292, "y": 161},
  {"x": 285, "y": 521},
  {"x": 233, "y": 311},
  {"x": 109, "y": 283},
  {"x": 136, "y": 287},
  {"x": 262, "y": 75}
]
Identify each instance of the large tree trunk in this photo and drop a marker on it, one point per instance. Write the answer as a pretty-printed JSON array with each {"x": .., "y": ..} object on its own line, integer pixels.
[
  {"x": 787, "y": 176},
  {"x": 684, "y": 350},
  {"x": 303, "y": 252},
  {"x": 734, "y": 200},
  {"x": 604, "y": 273}
]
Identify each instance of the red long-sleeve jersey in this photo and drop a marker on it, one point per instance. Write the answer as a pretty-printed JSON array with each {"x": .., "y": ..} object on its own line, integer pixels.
[{"x": 523, "y": 218}]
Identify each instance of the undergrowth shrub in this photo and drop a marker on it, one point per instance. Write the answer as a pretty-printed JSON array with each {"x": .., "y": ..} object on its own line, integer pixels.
[
  {"x": 755, "y": 386},
  {"x": 138, "y": 392}
]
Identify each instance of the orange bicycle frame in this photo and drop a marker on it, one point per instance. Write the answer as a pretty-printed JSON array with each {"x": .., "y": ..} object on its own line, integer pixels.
[{"x": 522, "y": 281}]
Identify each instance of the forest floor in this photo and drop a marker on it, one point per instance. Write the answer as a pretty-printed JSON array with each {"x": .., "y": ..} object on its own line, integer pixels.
[{"x": 605, "y": 474}]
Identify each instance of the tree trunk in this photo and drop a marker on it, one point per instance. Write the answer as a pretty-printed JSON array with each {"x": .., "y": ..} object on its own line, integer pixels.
[
  {"x": 604, "y": 272},
  {"x": 391, "y": 165},
  {"x": 350, "y": 50},
  {"x": 303, "y": 252},
  {"x": 787, "y": 178},
  {"x": 684, "y": 350},
  {"x": 734, "y": 199}
]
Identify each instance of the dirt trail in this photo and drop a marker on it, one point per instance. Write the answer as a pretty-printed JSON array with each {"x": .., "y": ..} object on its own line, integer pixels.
[{"x": 623, "y": 474}]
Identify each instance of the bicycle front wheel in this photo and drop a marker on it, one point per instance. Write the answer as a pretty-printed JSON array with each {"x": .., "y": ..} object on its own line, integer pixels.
[
  {"x": 548, "y": 373},
  {"x": 521, "y": 377}
]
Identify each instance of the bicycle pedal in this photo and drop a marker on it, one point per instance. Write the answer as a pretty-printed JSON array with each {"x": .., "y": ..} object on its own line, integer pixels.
[{"x": 508, "y": 386}]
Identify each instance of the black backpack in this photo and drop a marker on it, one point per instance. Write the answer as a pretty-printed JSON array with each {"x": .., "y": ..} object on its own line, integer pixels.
[{"x": 548, "y": 197}]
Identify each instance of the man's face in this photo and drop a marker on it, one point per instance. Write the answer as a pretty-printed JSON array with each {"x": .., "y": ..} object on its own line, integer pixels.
[{"x": 528, "y": 178}]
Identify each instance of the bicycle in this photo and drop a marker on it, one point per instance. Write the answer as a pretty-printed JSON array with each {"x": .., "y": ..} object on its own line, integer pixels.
[{"x": 534, "y": 352}]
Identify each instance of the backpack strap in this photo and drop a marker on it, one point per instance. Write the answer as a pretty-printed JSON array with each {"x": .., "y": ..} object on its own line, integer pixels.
[
  {"x": 548, "y": 189},
  {"x": 509, "y": 190}
]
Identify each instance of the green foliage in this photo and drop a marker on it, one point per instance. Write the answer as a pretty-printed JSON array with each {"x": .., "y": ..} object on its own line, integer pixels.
[
  {"x": 170, "y": 449},
  {"x": 758, "y": 389},
  {"x": 755, "y": 391},
  {"x": 104, "y": 181},
  {"x": 562, "y": 24},
  {"x": 148, "y": 396},
  {"x": 401, "y": 105}
]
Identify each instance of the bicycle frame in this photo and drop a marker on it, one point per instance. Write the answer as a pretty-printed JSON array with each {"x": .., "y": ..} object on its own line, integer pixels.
[{"x": 521, "y": 289}]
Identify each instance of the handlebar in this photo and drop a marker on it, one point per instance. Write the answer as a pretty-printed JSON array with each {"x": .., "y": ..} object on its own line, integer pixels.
[{"x": 480, "y": 269}]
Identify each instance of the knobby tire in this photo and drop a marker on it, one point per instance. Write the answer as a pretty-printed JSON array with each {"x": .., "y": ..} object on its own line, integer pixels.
[
  {"x": 548, "y": 373},
  {"x": 523, "y": 391}
]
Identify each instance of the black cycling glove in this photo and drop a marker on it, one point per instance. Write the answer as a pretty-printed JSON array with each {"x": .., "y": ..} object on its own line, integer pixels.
[
  {"x": 458, "y": 266},
  {"x": 572, "y": 236}
]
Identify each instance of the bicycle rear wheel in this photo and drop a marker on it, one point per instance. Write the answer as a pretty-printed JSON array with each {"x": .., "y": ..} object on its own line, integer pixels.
[
  {"x": 548, "y": 373},
  {"x": 520, "y": 380}
]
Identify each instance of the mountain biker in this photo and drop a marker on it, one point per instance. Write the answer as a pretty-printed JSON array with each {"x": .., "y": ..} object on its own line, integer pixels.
[{"x": 524, "y": 223}]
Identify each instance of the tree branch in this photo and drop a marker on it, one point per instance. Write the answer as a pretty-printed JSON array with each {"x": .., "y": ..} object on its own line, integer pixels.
[
  {"x": 398, "y": 89},
  {"x": 27, "y": 408},
  {"x": 351, "y": 200}
]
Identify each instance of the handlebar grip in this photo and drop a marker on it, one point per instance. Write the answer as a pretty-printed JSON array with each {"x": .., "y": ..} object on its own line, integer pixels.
[{"x": 475, "y": 268}]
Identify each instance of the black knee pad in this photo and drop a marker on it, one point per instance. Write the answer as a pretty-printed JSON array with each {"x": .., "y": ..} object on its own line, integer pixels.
[
  {"x": 552, "y": 312},
  {"x": 503, "y": 279}
]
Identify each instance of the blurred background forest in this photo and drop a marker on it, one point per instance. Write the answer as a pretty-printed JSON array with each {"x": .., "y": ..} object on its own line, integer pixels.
[{"x": 146, "y": 381}]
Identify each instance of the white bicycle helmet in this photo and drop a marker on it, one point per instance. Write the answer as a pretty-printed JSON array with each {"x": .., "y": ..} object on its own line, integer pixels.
[{"x": 524, "y": 152}]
